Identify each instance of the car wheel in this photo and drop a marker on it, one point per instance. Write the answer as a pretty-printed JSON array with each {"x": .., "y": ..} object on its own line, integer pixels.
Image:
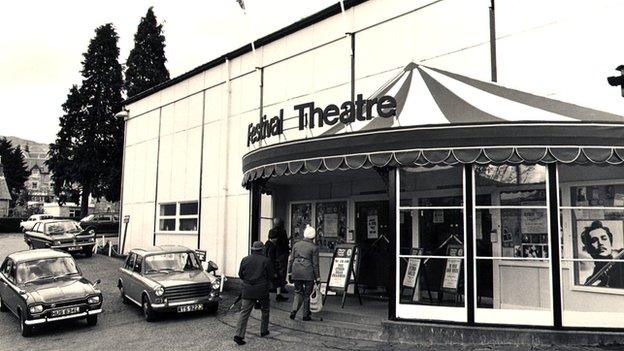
[
  {"x": 3, "y": 308},
  {"x": 92, "y": 320},
  {"x": 148, "y": 312},
  {"x": 124, "y": 299},
  {"x": 24, "y": 328},
  {"x": 212, "y": 308}
]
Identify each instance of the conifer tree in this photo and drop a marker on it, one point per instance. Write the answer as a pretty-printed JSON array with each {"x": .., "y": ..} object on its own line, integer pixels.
[
  {"x": 88, "y": 149},
  {"x": 146, "y": 62},
  {"x": 14, "y": 166}
]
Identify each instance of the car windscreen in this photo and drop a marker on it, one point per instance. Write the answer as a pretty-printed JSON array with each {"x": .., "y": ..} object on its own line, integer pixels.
[
  {"x": 47, "y": 268},
  {"x": 55, "y": 228},
  {"x": 171, "y": 262},
  {"x": 87, "y": 218}
]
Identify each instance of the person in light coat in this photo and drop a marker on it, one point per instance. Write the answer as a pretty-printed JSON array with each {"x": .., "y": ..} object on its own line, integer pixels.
[{"x": 303, "y": 271}]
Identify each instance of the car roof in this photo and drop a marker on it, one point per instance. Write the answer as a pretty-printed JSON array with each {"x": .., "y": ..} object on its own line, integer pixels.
[
  {"x": 51, "y": 220},
  {"x": 38, "y": 254},
  {"x": 160, "y": 249}
]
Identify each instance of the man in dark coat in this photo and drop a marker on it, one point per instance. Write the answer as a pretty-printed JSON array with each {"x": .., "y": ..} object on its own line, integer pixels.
[
  {"x": 277, "y": 251},
  {"x": 256, "y": 272},
  {"x": 303, "y": 270}
]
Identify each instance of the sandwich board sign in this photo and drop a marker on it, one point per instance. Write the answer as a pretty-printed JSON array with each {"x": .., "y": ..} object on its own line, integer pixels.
[{"x": 343, "y": 271}]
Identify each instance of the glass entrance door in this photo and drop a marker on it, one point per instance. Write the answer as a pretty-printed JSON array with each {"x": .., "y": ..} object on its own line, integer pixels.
[{"x": 373, "y": 238}]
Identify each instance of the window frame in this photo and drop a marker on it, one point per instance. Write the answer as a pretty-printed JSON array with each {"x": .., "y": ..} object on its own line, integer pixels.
[{"x": 177, "y": 217}]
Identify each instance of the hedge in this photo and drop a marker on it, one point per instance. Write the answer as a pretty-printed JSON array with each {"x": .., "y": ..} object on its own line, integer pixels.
[{"x": 10, "y": 224}]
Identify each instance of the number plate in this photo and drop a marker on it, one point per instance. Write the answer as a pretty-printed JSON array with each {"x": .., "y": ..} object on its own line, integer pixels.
[
  {"x": 74, "y": 248},
  {"x": 191, "y": 308},
  {"x": 65, "y": 311}
]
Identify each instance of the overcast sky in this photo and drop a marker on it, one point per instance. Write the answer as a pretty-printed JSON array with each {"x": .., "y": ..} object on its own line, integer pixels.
[{"x": 42, "y": 42}]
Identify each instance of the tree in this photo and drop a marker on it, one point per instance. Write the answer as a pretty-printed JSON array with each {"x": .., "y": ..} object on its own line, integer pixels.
[
  {"x": 88, "y": 151},
  {"x": 146, "y": 62},
  {"x": 15, "y": 171}
]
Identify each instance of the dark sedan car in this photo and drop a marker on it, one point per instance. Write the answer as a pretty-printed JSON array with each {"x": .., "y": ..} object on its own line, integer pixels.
[
  {"x": 61, "y": 234},
  {"x": 101, "y": 223},
  {"x": 42, "y": 286},
  {"x": 168, "y": 279}
]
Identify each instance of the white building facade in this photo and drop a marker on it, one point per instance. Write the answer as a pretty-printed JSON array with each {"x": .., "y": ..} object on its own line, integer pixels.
[{"x": 481, "y": 184}]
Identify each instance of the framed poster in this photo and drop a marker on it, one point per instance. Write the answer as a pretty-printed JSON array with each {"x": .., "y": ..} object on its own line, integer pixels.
[
  {"x": 331, "y": 223},
  {"x": 300, "y": 216},
  {"x": 452, "y": 270},
  {"x": 372, "y": 226},
  {"x": 533, "y": 220},
  {"x": 599, "y": 250},
  {"x": 413, "y": 269}
]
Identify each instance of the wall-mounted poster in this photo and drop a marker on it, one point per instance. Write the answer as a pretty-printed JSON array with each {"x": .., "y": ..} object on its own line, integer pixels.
[
  {"x": 599, "y": 246},
  {"x": 300, "y": 216},
  {"x": 331, "y": 224},
  {"x": 372, "y": 226},
  {"x": 533, "y": 220}
]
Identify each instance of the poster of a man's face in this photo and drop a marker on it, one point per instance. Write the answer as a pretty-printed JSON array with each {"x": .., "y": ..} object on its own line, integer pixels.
[{"x": 601, "y": 243}]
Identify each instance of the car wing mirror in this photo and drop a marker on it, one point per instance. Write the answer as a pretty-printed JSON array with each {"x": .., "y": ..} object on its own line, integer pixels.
[
  {"x": 96, "y": 283},
  {"x": 212, "y": 267},
  {"x": 22, "y": 292}
]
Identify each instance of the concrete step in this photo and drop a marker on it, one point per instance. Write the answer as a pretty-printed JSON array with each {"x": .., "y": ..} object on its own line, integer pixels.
[
  {"x": 340, "y": 329},
  {"x": 348, "y": 314},
  {"x": 449, "y": 334}
]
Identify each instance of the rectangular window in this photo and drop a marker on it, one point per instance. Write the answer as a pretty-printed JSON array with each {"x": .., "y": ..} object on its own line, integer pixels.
[
  {"x": 511, "y": 230},
  {"x": 591, "y": 204},
  {"x": 179, "y": 217},
  {"x": 431, "y": 243}
]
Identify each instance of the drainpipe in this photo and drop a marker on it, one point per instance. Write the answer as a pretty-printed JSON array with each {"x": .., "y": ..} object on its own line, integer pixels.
[{"x": 224, "y": 174}]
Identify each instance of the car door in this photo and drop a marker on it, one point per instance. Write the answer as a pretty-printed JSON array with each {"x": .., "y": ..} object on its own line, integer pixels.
[
  {"x": 10, "y": 291},
  {"x": 137, "y": 285},
  {"x": 37, "y": 236},
  {"x": 105, "y": 224},
  {"x": 4, "y": 284}
]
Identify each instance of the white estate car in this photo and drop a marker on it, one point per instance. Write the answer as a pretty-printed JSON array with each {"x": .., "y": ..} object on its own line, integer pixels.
[{"x": 30, "y": 222}]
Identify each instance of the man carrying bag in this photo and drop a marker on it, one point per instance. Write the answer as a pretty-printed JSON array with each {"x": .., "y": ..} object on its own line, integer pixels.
[{"x": 303, "y": 268}]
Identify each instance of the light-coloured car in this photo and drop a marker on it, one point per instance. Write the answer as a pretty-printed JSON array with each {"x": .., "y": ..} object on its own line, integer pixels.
[
  {"x": 168, "y": 278},
  {"x": 30, "y": 222}
]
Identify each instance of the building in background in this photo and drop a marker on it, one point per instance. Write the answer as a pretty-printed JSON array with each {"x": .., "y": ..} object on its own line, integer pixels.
[
  {"x": 5, "y": 195},
  {"x": 470, "y": 201}
]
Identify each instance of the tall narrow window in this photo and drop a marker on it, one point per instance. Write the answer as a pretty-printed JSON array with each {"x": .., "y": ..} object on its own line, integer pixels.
[
  {"x": 431, "y": 244},
  {"x": 511, "y": 236}
]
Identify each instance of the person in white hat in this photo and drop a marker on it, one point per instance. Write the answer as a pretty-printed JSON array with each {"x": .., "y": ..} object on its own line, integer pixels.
[{"x": 303, "y": 271}]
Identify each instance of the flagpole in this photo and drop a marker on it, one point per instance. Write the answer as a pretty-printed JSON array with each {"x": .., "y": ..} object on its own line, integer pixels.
[{"x": 241, "y": 3}]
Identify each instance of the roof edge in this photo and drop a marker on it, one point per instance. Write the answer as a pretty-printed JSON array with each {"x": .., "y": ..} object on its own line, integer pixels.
[{"x": 267, "y": 39}]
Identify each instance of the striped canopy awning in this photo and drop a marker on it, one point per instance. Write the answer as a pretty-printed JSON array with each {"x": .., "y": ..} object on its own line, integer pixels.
[{"x": 446, "y": 118}]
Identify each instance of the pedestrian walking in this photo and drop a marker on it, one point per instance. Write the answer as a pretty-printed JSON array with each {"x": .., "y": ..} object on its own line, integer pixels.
[
  {"x": 303, "y": 268},
  {"x": 277, "y": 249},
  {"x": 256, "y": 272}
]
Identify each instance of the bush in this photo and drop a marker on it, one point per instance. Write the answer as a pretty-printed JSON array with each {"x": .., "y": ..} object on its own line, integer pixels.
[{"x": 10, "y": 224}]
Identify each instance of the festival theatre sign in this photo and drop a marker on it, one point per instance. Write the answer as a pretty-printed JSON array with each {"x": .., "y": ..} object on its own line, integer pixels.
[{"x": 312, "y": 116}]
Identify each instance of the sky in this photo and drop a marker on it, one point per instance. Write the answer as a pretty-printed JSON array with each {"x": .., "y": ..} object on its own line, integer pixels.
[{"x": 42, "y": 43}]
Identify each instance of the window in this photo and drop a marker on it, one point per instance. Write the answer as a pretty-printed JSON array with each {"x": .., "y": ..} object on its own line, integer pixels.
[
  {"x": 36, "y": 227},
  {"x": 130, "y": 261},
  {"x": 34, "y": 185},
  {"x": 431, "y": 238},
  {"x": 592, "y": 245},
  {"x": 6, "y": 267},
  {"x": 138, "y": 264},
  {"x": 104, "y": 219},
  {"x": 511, "y": 230},
  {"x": 180, "y": 216}
]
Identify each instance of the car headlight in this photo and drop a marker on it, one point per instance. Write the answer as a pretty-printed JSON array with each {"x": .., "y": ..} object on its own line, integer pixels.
[
  {"x": 57, "y": 243},
  {"x": 216, "y": 284},
  {"x": 159, "y": 291},
  {"x": 35, "y": 309},
  {"x": 93, "y": 300}
]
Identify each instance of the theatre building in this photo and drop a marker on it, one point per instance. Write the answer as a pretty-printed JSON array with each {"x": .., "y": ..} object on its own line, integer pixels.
[{"x": 481, "y": 184}]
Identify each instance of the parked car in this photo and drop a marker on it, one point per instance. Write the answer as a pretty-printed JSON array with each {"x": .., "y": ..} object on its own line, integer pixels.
[
  {"x": 101, "y": 223},
  {"x": 30, "y": 222},
  {"x": 61, "y": 234},
  {"x": 43, "y": 286},
  {"x": 168, "y": 279}
]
